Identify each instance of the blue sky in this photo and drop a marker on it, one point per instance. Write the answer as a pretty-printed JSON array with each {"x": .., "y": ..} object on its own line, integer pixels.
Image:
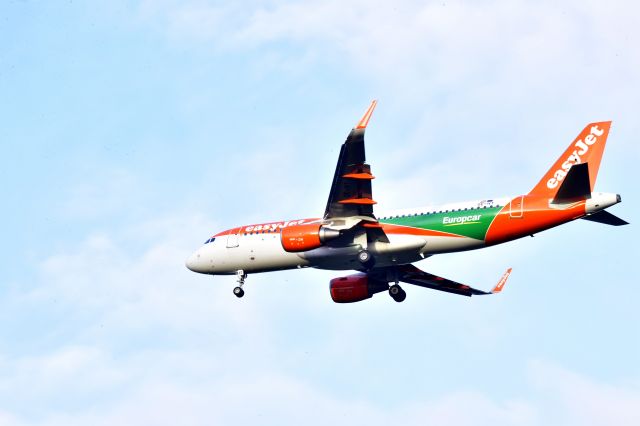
[{"x": 132, "y": 131}]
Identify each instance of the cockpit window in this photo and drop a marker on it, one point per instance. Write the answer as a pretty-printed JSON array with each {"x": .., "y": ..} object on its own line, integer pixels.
[{"x": 210, "y": 240}]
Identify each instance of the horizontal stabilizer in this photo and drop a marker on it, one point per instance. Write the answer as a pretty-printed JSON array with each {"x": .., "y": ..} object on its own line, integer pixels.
[
  {"x": 575, "y": 185},
  {"x": 605, "y": 217}
]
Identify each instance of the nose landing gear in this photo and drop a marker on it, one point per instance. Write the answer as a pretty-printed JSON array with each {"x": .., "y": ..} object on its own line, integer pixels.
[{"x": 238, "y": 291}]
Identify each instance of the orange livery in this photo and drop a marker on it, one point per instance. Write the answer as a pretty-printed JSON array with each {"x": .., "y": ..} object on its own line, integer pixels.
[{"x": 383, "y": 246}]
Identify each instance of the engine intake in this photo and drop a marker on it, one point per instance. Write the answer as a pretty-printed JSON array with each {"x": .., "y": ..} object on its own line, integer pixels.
[
  {"x": 306, "y": 237},
  {"x": 355, "y": 288}
]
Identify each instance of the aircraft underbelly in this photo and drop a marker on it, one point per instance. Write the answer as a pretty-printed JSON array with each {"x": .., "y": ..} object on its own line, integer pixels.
[
  {"x": 259, "y": 253},
  {"x": 262, "y": 253},
  {"x": 444, "y": 244},
  {"x": 400, "y": 249}
]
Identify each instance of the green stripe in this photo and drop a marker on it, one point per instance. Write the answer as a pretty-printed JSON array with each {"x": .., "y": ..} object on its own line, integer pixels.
[{"x": 472, "y": 223}]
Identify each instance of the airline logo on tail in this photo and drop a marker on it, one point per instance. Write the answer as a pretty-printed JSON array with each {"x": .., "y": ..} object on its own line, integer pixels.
[{"x": 574, "y": 157}]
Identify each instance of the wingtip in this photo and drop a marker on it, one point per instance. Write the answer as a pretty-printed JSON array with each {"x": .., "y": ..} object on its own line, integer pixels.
[
  {"x": 503, "y": 280},
  {"x": 362, "y": 124}
]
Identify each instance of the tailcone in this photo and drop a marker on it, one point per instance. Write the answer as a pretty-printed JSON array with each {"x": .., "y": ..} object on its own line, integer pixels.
[{"x": 600, "y": 201}]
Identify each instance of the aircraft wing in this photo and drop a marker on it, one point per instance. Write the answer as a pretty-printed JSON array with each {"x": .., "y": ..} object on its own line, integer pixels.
[
  {"x": 350, "y": 193},
  {"x": 412, "y": 275}
]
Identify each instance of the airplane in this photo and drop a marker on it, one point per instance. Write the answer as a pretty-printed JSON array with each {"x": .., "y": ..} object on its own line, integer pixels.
[{"x": 382, "y": 248}]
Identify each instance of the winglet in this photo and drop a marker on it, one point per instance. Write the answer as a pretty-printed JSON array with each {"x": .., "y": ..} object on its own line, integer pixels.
[
  {"x": 362, "y": 124},
  {"x": 498, "y": 288}
]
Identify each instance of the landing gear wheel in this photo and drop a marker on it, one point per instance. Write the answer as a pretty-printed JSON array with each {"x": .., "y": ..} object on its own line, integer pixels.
[
  {"x": 238, "y": 291},
  {"x": 365, "y": 258},
  {"x": 397, "y": 293}
]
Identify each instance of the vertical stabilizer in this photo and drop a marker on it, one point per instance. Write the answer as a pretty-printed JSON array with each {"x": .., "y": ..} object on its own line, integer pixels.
[{"x": 586, "y": 148}]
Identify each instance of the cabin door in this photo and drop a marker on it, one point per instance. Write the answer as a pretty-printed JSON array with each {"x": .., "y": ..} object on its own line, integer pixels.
[
  {"x": 516, "y": 207},
  {"x": 232, "y": 238}
]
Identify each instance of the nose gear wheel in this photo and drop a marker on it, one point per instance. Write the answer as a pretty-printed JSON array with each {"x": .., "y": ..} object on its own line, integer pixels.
[{"x": 238, "y": 291}]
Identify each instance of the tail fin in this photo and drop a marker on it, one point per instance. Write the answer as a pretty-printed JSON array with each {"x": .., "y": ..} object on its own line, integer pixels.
[
  {"x": 586, "y": 148},
  {"x": 575, "y": 186}
]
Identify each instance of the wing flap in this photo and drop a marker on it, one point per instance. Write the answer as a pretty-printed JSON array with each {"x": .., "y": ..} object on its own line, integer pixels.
[
  {"x": 412, "y": 275},
  {"x": 360, "y": 201}
]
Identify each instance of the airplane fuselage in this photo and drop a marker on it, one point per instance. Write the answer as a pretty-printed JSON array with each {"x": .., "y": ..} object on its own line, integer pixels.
[{"x": 413, "y": 235}]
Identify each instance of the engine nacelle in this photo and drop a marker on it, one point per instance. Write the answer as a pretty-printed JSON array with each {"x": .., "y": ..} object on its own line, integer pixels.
[
  {"x": 355, "y": 288},
  {"x": 306, "y": 237}
]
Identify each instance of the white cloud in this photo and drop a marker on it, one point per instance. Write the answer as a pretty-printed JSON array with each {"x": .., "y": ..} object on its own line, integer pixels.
[
  {"x": 159, "y": 345},
  {"x": 486, "y": 79},
  {"x": 194, "y": 388},
  {"x": 136, "y": 277},
  {"x": 77, "y": 369},
  {"x": 440, "y": 43},
  {"x": 572, "y": 399},
  {"x": 147, "y": 342},
  {"x": 6, "y": 419},
  {"x": 96, "y": 195}
]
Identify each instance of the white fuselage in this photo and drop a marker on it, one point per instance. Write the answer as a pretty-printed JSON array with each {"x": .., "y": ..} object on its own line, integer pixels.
[
  {"x": 261, "y": 249},
  {"x": 263, "y": 252}
]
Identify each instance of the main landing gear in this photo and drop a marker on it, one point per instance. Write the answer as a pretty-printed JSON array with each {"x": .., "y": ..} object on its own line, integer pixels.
[
  {"x": 366, "y": 259},
  {"x": 397, "y": 293},
  {"x": 238, "y": 291}
]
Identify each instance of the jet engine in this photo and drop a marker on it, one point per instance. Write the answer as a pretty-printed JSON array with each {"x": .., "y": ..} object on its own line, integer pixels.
[
  {"x": 305, "y": 237},
  {"x": 354, "y": 288}
]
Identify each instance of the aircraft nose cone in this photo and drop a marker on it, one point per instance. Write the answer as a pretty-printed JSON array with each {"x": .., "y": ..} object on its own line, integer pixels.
[{"x": 193, "y": 262}]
